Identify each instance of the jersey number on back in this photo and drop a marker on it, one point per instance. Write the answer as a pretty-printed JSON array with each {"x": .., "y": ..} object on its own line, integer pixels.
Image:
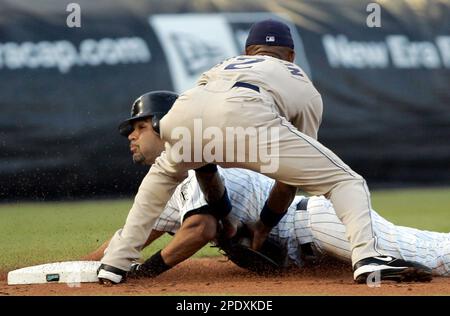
[
  {"x": 295, "y": 71},
  {"x": 247, "y": 63}
]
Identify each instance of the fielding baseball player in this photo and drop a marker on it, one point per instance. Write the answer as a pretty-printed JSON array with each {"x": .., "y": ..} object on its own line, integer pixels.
[
  {"x": 308, "y": 221},
  {"x": 254, "y": 92}
]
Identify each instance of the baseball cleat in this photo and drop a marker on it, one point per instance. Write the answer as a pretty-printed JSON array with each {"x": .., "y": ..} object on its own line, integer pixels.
[
  {"x": 391, "y": 269},
  {"x": 134, "y": 272},
  {"x": 109, "y": 275}
]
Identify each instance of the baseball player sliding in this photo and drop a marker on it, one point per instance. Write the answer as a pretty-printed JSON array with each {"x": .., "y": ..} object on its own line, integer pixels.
[
  {"x": 262, "y": 93},
  {"x": 308, "y": 221}
]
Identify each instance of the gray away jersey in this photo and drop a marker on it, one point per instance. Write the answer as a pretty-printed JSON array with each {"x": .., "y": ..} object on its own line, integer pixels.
[{"x": 294, "y": 95}]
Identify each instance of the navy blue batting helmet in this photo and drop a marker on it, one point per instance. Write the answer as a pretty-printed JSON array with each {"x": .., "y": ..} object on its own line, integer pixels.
[{"x": 153, "y": 104}]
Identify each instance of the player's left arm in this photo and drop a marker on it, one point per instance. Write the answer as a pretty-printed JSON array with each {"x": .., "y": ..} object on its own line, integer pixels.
[
  {"x": 213, "y": 189},
  {"x": 195, "y": 232},
  {"x": 274, "y": 209},
  {"x": 216, "y": 195},
  {"x": 198, "y": 227}
]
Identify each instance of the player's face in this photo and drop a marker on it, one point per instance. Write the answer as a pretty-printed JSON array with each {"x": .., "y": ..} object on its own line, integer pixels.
[{"x": 145, "y": 143}]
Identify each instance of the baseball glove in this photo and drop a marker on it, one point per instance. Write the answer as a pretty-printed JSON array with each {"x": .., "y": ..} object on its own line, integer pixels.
[{"x": 268, "y": 260}]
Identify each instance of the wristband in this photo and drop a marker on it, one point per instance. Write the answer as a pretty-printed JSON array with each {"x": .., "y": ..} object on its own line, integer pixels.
[
  {"x": 269, "y": 217},
  {"x": 153, "y": 266},
  {"x": 222, "y": 207}
]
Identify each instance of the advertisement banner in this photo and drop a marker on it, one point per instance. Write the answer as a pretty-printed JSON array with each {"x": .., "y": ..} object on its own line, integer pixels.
[{"x": 64, "y": 90}]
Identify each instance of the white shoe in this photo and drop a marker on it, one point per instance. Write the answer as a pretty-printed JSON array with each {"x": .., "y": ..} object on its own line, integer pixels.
[{"x": 110, "y": 275}]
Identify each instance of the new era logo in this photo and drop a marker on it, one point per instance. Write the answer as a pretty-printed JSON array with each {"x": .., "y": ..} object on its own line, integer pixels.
[{"x": 270, "y": 38}]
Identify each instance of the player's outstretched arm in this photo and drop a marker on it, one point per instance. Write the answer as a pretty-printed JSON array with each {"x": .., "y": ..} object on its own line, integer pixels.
[
  {"x": 278, "y": 202},
  {"x": 215, "y": 193},
  {"x": 214, "y": 190},
  {"x": 195, "y": 232},
  {"x": 210, "y": 183}
]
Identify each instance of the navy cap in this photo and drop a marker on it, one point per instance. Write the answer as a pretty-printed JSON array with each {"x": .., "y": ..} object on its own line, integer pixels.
[{"x": 270, "y": 32}]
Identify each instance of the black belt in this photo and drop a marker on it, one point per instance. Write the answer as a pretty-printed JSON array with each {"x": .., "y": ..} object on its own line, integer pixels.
[
  {"x": 246, "y": 85},
  {"x": 302, "y": 205}
]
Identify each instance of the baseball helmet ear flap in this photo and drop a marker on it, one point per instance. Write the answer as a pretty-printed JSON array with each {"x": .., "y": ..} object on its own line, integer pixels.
[
  {"x": 156, "y": 117},
  {"x": 152, "y": 105}
]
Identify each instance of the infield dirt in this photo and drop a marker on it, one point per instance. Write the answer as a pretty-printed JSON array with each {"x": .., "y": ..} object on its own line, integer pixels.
[{"x": 216, "y": 276}]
